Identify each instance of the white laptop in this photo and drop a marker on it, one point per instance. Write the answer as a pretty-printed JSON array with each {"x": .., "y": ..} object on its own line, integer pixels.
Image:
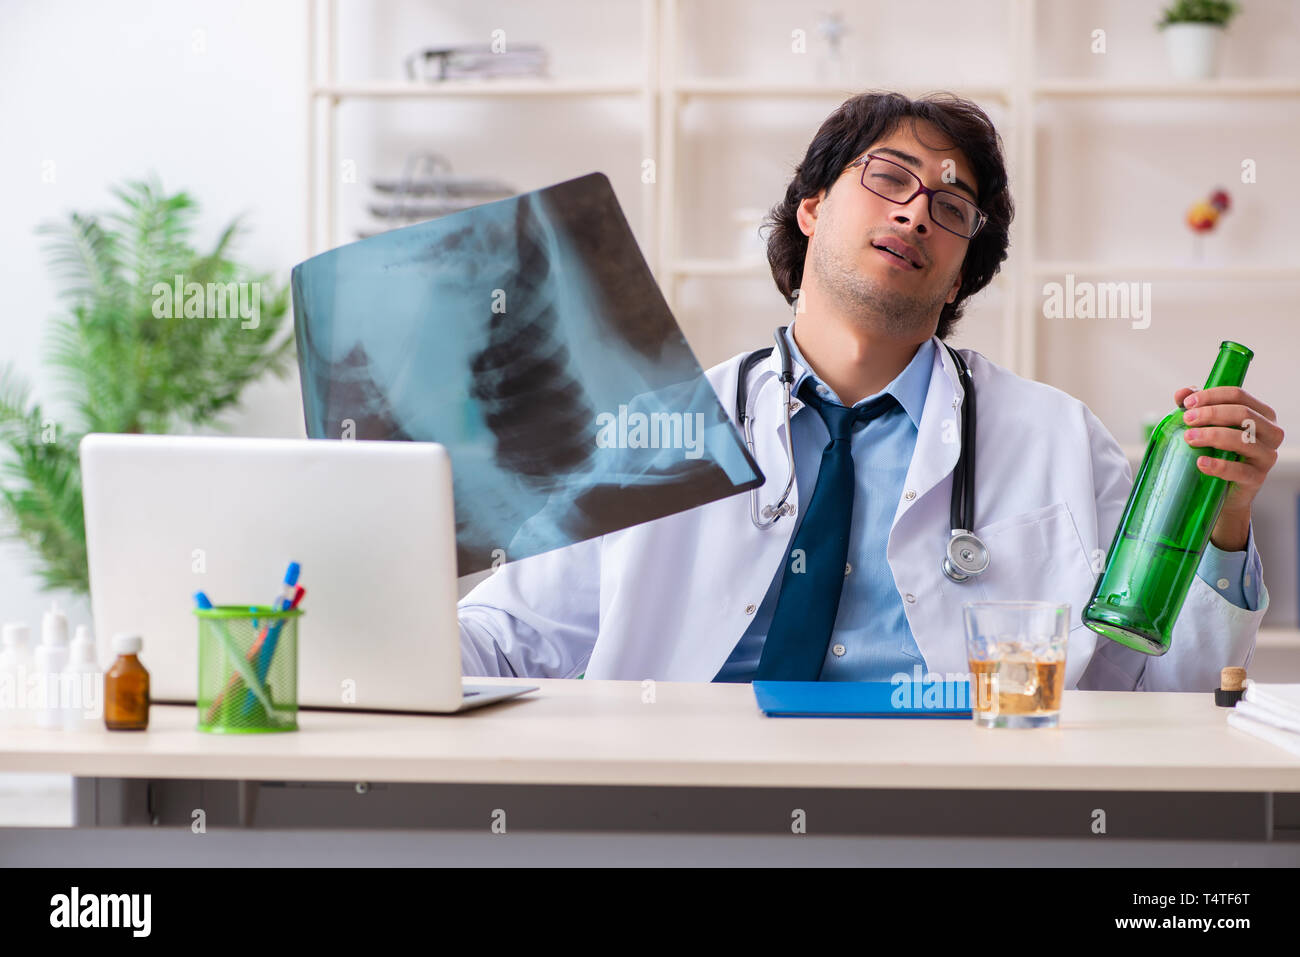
[{"x": 370, "y": 523}]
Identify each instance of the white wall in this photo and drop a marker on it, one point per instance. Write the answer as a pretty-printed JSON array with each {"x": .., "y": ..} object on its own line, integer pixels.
[{"x": 111, "y": 91}]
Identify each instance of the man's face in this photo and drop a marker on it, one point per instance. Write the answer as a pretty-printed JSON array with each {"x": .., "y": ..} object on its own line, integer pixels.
[{"x": 847, "y": 223}]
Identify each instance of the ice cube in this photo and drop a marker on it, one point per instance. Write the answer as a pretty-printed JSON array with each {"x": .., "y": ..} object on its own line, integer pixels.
[{"x": 1017, "y": 673}]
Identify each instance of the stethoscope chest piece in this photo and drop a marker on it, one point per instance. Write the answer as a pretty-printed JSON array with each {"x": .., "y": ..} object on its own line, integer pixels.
[{"x": 967, "y": 556}]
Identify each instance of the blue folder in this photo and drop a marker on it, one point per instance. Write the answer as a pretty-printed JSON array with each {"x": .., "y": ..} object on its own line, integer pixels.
[{"x": 864, "y": 699}]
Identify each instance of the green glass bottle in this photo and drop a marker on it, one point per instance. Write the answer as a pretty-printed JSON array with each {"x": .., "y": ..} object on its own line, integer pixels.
[{"x": 1165, "y": 527}]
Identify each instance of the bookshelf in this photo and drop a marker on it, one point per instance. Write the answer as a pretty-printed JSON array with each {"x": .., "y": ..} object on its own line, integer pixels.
[
  {"x": 663, "y": 90},
  {"x": 668, "y": 83},
  {"x": 325, "y": 94}
]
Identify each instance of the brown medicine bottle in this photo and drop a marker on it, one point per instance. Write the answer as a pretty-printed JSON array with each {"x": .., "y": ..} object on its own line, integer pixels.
[{"x": 126, "y": 687}]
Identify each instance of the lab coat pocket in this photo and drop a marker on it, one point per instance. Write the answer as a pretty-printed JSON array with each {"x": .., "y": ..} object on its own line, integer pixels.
[{"x": 1036, "y": 556}]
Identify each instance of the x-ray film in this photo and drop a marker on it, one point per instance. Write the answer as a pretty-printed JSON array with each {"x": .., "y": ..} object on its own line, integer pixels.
[{"x": 527, "y": 336}]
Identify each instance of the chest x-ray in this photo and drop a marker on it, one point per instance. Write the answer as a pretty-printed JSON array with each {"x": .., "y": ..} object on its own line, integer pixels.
[{"x": 528, "y": 336}]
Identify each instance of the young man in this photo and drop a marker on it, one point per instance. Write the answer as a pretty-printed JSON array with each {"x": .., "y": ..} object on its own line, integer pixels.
[{"x": 899, "y": 212}]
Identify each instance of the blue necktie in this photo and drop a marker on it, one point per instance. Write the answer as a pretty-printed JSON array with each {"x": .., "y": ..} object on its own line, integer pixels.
[{"x": 795, "y": 647}]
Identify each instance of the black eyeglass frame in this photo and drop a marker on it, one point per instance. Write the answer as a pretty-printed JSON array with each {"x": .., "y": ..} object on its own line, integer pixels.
[{"x": 864, "y": 160}]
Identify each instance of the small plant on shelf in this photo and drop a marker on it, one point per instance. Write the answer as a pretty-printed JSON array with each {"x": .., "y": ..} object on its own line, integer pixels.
[{"x": 1215, "y": 12}]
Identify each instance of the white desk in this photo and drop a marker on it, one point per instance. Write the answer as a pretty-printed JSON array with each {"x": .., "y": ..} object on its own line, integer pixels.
[{"x": 616, "y": 759}]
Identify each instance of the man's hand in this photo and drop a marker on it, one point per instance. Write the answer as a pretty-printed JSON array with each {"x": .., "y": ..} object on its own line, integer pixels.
[{"x": 1233, "y": 420}]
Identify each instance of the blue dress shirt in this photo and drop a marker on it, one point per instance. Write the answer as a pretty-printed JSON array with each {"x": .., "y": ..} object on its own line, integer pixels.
[{"x": 872, "y": 640}]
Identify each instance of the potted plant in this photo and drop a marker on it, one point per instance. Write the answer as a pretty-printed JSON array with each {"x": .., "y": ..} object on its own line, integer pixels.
[
  {"x": 131, "y": 357},
  {"x": 1193, "y": 30}
]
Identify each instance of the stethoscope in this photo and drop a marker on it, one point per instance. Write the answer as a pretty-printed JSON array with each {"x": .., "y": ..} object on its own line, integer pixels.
[{"x": 966, "y": 556}]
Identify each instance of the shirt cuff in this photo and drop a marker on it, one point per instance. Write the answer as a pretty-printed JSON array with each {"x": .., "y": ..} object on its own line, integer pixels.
[{"x": 1234, "y": 575}]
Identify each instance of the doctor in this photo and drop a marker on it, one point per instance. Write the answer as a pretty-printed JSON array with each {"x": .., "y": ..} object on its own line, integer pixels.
[{"x": 899, "y": 213}]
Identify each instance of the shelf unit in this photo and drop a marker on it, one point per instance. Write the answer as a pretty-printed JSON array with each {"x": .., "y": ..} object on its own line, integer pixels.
[
  {"x": 324, "y": 88},
  {"x": 1033, "y": 90},
  {"x": 1230, "y": 86},
  {"x": 663, "y": 93},
  {"x": 1189, "y": 273},
  {"x": 1022, "y": 92}
]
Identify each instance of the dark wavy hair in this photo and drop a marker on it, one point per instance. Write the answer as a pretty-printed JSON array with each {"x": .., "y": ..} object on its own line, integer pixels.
[{"x": 847, "y": 133}]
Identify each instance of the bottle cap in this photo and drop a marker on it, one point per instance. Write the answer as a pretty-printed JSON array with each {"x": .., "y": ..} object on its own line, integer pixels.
[
  {"x": 125, "y": 643},
  {"x": 16, "y": 633},
  {"x": 54, "y": 626},
  {"x": 83, "y": 648},
  {"x": 1227, "y": 699}
]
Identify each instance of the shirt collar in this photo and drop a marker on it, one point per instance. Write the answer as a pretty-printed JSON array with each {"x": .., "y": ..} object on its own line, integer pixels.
[{"x": 909, "y": 386}]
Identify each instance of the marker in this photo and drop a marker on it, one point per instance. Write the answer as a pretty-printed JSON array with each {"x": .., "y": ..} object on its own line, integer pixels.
[{"x": 282, "y": 601}]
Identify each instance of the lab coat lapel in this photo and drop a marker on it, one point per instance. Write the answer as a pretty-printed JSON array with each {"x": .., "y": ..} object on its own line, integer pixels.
[
  {"x": 938, "y": 439},
  {"x": 725, "y": 593},
  {"x": 920, "y": 530}
]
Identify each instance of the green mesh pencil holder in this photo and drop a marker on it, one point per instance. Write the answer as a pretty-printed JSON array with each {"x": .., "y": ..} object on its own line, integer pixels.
[{"x": 248, "y": 669}]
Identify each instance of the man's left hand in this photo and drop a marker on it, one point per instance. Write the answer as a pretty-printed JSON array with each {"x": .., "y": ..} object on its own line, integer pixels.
[{"x": 1232, "y": 420}]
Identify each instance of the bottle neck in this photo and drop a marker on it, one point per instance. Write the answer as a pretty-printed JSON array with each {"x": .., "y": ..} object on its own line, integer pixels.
[{"x": 1230, "y": 366}]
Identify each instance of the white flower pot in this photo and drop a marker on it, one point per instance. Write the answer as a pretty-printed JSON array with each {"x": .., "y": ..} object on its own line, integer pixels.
[{"x": 1193, "y": 49}]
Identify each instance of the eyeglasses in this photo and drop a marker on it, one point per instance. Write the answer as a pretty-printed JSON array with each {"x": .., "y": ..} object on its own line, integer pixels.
[{"x": 898, "y": 184}]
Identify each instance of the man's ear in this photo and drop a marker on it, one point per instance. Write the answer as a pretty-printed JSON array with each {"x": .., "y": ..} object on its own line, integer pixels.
[
  {"x": 956, "y": 287},
  {"x": 806, "y": 212}
]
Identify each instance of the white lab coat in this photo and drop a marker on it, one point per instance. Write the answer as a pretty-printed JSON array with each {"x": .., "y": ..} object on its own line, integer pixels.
[{"x": 669, "y": 599}]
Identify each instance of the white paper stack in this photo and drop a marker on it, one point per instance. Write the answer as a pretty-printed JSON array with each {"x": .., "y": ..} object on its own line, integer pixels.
[{"x": 1271, "y": 712}]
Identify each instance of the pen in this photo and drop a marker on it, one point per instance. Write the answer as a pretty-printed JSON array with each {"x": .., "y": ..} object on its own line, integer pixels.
[
  {"x": 268, "y": 641},
  {"x": 282, "y": 602},
  {"x": 264, "y": 649}
]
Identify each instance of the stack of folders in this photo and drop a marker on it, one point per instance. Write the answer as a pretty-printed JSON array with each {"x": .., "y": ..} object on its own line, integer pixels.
[
  {"x": 1271, "y": 712},
  {"x": 477, "y": 61}
]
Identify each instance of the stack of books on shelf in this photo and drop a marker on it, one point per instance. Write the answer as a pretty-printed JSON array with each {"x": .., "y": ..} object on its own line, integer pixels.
[{"x": 477, "y": 61}]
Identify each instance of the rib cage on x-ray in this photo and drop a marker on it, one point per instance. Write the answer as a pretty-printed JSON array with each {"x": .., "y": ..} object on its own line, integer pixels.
[
  {"x": 355, "y": 389},
  {"x": 398, "y": 334},
  {"x": 539, "y": 413}
]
